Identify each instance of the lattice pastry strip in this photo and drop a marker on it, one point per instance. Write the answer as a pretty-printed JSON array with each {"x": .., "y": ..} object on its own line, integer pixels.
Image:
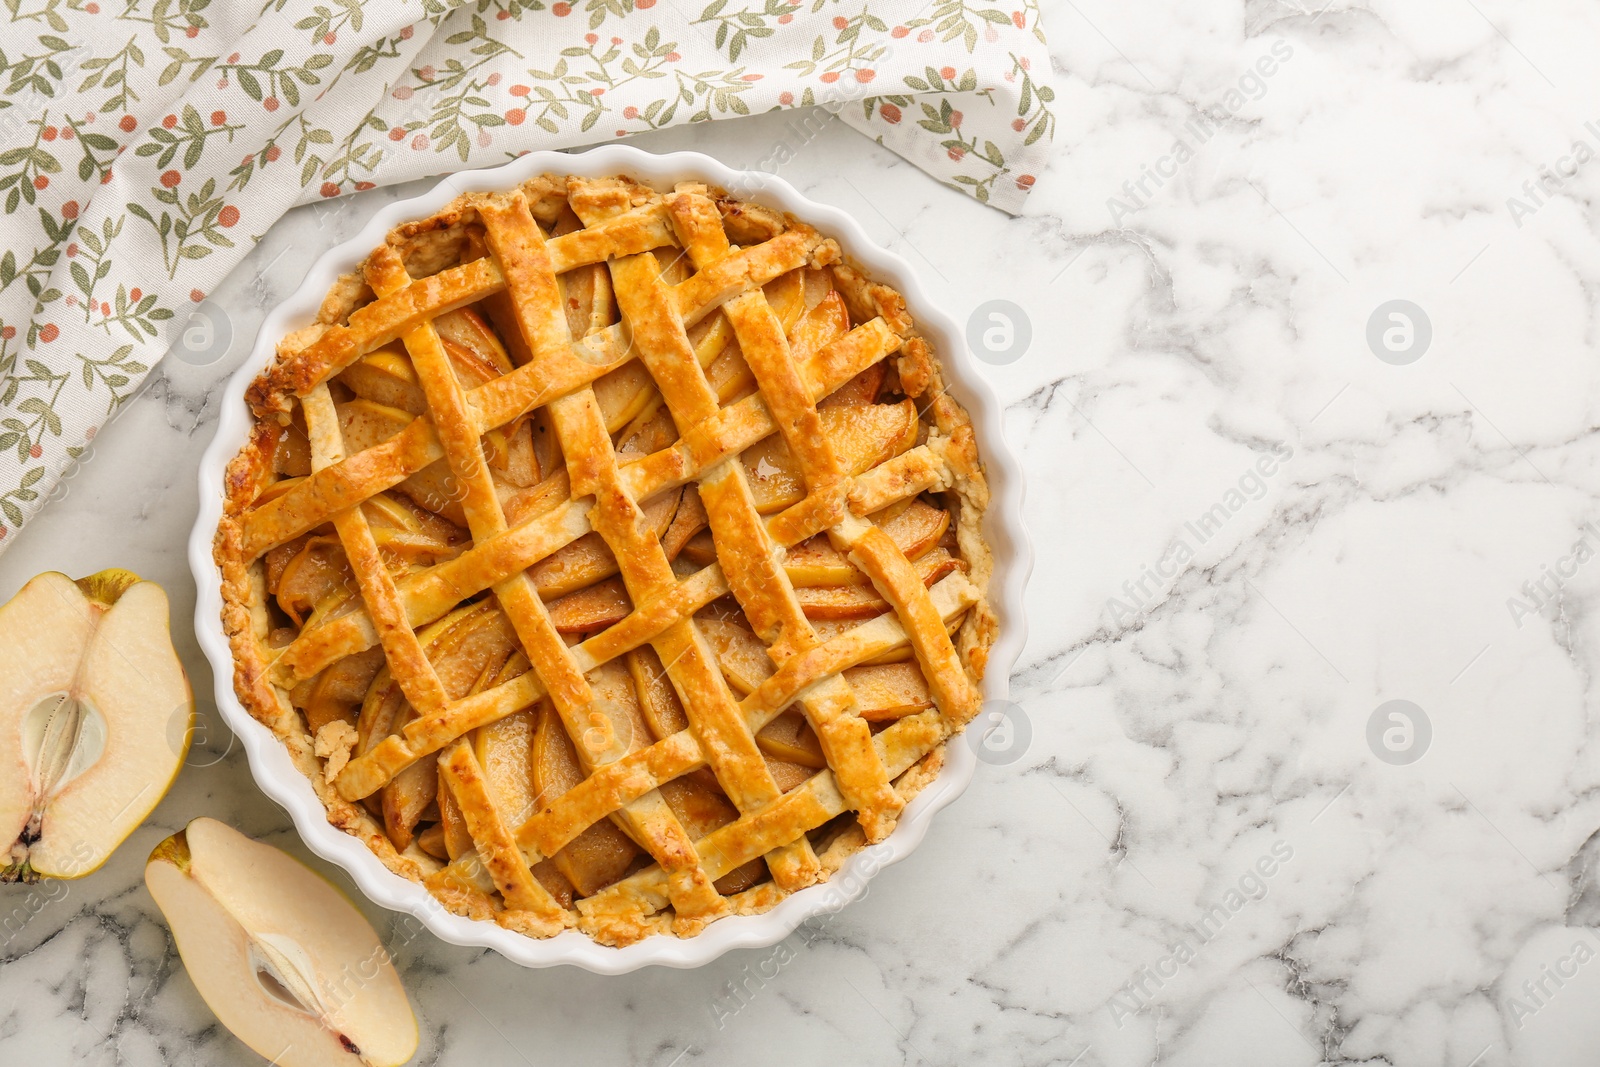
[
  {"x": 489, "y": 252},
  {"x": 426, "y": 299},
  {"x": 803, "y": 808},
  {"x": 770, "y": 602},
  {"x": 614, "y": 785},
  {"x": 749, "y": 559},
  {"x": 887, "y": 484},
  {"x": 513, "y": 235},
  {"x": 820, "y": 799},
  {"x": 648, "y": 818},
  {"x": 512, "y": 876},
  {"x": 496, "y": 402},
  {"x": 430, "y": 594},
  {"x": 386, "y": 274},
  {"x": 407, "y": 662}
]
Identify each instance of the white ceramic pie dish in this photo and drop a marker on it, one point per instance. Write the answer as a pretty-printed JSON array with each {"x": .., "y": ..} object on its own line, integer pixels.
[{"x": 269, "y": 759}]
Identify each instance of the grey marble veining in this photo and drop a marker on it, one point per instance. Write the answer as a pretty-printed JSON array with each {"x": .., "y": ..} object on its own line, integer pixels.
[{"x": 1252, "y": 532}]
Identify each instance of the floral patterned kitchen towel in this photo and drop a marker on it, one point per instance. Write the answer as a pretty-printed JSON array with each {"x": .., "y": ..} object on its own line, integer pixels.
[{"x": 146, "y": 145}]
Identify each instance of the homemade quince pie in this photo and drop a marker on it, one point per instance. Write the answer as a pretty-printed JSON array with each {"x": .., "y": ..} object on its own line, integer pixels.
[{"x": 608, "y": 558}]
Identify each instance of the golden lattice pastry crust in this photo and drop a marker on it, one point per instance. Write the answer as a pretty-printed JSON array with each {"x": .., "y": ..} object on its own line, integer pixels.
[{"x": 608, "y": 558}]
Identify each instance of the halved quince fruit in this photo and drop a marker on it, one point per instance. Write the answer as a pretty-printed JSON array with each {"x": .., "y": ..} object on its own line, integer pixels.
[
  {"x": 95, "y": 713},
  {"x": 282, "y": 958}
]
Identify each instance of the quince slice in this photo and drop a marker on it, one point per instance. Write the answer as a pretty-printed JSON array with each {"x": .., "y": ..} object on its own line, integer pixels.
[{"x": 863, "y": 436}]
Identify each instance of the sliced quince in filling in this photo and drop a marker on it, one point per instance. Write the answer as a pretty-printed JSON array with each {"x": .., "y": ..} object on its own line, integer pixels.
[
  {"x": 694, "y": 798},
  {"x": 863, "y": 436},
  {"x": 889, "y": 691},
  {"x": 648, "y": 424},
  {"x": 365, "y": 423},
  {"x": 407, "y": 798},
  {"x": 505, "y": 751},
  {"x": 740, "y": 654},
  {"x": 830, "y": 587},
  {"x": 861, "y": 601},
  {"x": 307, "y": 565},
  {"x": 602, "y": 853},
  {"x": 701, "y": 807},
  {"x": 785, "y": 295},
  {"x": 380, "y": 714},
  {"x": 881, "y": 692},
  {"x": 828, "y": 629},
  {"x": 588, "y": 560},
  {"x": 645, "y": 435},
  {"x": 291, "y": 452},
  {"x": 447, "y": 838},
  {"x": 858, "y": 391},
  {"x": 658, "y": 701},
  {"x": 386, "y": 377},
  {"x": 466, "y": 648},
  {"x": 573, "y": 567},
  {"x": 729, "y": 375},
  {"x": 790, "y": 737},
  {"x": 616, "y": 699},
  {"x": 510, "y": 454},
  {"x": 336, "y": 694},
  {"x": 406, "y": 533},
  {"x": 687, "y": 520},
  {"x": 816, "y": 563},
  {"x": 664, "y": 712},
  {"x": 593, "y": 603},
  {"x": 474, "y": 339},
  {"x": 305, "y": 573},
  {"x": 914, "y": 530},
  {"x": 594, "y": 608},
  {"x": 543, "y": 497},
  {"x": 819, "y": 327},
  {"x": 478, "y": 356},
  {"x": 589, "y": 300},
  {"x": 310, "y": 577},
  {"x": 623, "y": 393},
  {"x": 785, "y": 774},
  {"x": 915, "y": 527}
]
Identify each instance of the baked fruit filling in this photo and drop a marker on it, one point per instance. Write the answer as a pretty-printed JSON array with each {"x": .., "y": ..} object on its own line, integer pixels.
[{"x": 609, "y": 558}]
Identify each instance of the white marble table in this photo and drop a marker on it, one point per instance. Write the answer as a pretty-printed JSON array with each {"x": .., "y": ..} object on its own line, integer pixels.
[{"x": 1200, "y": 857}]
